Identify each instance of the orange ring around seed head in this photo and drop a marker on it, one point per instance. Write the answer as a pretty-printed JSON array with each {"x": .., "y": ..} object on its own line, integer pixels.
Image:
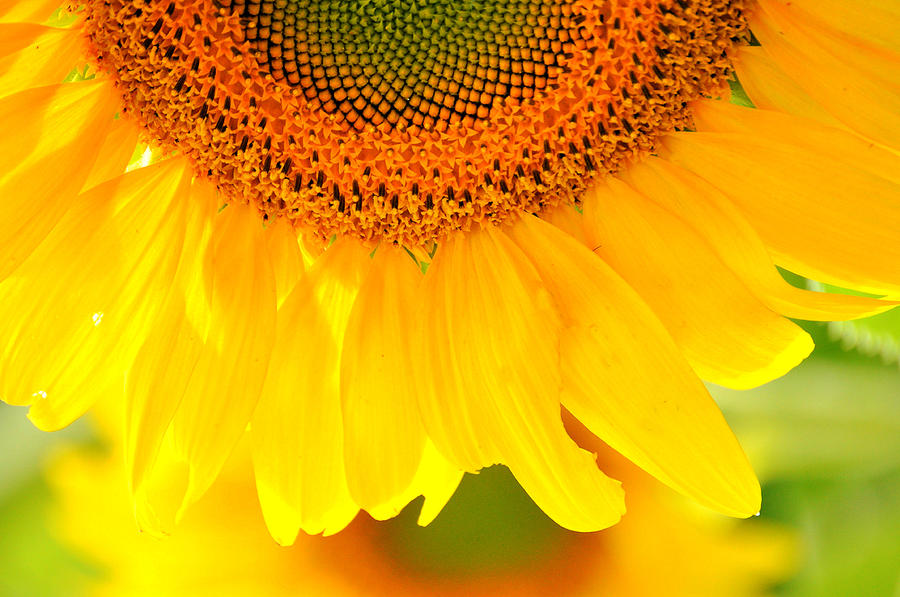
[{"x": 371, "y": 156}]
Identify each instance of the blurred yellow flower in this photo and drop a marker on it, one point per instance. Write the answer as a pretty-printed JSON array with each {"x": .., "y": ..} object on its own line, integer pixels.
[
  {"x": 598, "y": 234},
  {"x": 663, "y": 546}
]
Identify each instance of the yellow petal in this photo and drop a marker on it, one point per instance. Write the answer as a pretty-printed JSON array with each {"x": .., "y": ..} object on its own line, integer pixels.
[
  {"x": 489, "y": 387},
  {"x": 54, "y": 138},
  {"x": 69, "y": 330},
  {"x": 156, "y": 384},
  {"x": 297, "y": 433},
  {"x": 15, "y": 37},
  {"x": 770, "y": 88},
  {"x": 228, "y": 378},
  {"x": 624, "y": 378},
  {"x": 157, "y": 499},
  {"x": 27, "y": 10},
  {"x": 875, "y": 21},
  {"x": 285, "y": 255},
  {"x": 383, "y": 433},
  {"x": 820, "y": 216},
  {"x": 816, "y": 55},
  {"x": 850, "y": 149},
  {"x": 711, "y": 214},
  {"x": 567, "y": 219},
  {"x": 115, "y": 154},
  {"x": 159, "y": 375},
  {"x": 436, "y": 479},
  {"x": 452, "y": 423},
  {"x": 726, "y": 333},
  {"x": 33, "y": 55},
  {"x": 311, "y": 248}
]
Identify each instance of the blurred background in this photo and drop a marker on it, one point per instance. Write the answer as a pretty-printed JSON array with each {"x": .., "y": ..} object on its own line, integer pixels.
[{"x": 825, "y": 441}]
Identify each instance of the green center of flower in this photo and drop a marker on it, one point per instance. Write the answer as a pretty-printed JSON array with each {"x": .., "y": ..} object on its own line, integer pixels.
[{"x": 408, "y": 62}]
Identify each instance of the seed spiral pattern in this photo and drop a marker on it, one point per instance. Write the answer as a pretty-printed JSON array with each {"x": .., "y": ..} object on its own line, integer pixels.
[
  {"x": 406, "y": 64},
  {"x": 405, "y": 120}
]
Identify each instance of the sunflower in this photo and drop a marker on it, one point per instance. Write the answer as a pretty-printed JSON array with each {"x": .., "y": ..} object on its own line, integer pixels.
[
  {"x": 393, "y": 239},
  {"x": 491, "y": 540}
]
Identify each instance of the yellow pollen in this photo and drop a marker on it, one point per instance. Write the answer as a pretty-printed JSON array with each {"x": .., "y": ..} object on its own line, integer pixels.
[{"x": 402, "y": 121}]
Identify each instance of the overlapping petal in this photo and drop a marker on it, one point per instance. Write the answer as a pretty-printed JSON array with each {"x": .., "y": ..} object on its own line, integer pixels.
[
  {"x": 665, "y": 422},
  {"x": 36, "y": 11},
  {"x": 297, "y": 429},
  {"x": 126, "y": 236},
  {"x": 727, "y": 334},
  {"x": 383, "y": 433},
  {"x": 60, "y": 130},
  {"x": 490, "y": 378},
  {"x": 227, "y": 380},
  {"x": 173, "y": 345},
  {"x": 365, "y": 383},
  {"x": 820, "y": 216},
  {"x": 33, "y": 55},
  {"x": 816, "y": 54},
  {"x": 712, "y": 216}
]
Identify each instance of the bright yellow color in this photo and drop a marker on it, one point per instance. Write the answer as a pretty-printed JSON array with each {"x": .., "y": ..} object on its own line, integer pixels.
[
  {"x": 824, "y": 187},
  {"x": 712, "y": 215},
  {"x": 376, "y": 347},
  {"x": 684, "y": 442},
  {"x": 854, "y": 77},
  {"x": 662, "y": 547},
  {"x": 489, "y": 378},
  {"x": 728, "y": 335},
  {"x": 46, "y": 140},
  {"x": 365, "y": 383}
]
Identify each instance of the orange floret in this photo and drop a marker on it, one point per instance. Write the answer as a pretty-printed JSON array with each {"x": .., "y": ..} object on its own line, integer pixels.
[{"x": 401, "y": 122}]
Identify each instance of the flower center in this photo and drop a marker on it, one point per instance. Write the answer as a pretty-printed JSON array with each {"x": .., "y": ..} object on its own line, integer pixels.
[
  {"x": 427, "y": 64},
  {"x": 404, "y": 120}
]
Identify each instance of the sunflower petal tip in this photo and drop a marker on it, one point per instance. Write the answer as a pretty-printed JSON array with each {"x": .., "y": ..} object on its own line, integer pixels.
[
  {"x": 328, "y": 531},
  {"x": 286, "y": 540},
  {"x": 794, "y": 353},
  {"x": 280, "y": 519},
  {"x": 44, "y": 418},
  {"x": 751, "y": 502},
  {"x": 149, "y": 521},
  {"x": 741, "y": 496},
  {"x": 283, "y": 532}
]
